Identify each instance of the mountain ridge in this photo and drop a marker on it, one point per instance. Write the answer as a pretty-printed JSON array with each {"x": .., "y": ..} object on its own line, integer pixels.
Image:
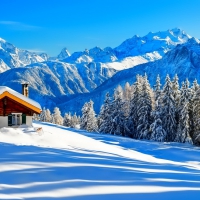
[
  {"x": 55, "y": 81},
  {"x": 183, "y": 60}
]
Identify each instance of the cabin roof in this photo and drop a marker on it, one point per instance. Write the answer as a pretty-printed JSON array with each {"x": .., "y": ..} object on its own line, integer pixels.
[{"x": 6, "y": 91}]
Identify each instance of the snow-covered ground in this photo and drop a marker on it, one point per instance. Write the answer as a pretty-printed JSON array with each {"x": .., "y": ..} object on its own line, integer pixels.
[{"x": 63, "y": 163}]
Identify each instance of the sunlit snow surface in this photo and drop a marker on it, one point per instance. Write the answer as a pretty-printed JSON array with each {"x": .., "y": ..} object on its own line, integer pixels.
[{"x": 63, "y": 163}]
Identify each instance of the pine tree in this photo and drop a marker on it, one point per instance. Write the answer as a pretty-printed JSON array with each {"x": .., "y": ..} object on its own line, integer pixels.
[
  {"x": 144, "y": 111},
  {"x": 117, "y": 113},
  {"x": 88, "y": 119},
  {"x": 43, "y": 115},
  {"x": 157, "y": 131},
  {"x": 175, "y": 88},
  {"x": 127, "y": 98},
  {"x": 57, "y": 116},
  {"x": 74, "y": 121},
  {"x": 134, "y": 106},
  {"x": 176, "y": 95},
  {"x": 196, "y": 118},
  {"x": 48, "y": 115},
  {"x": 195, "y": 86},
  {"x": 104, "y": 118},
  {"x": 168, "y": 111},
  {"x": 67, "y": 120},
  {"x": 157, "y": 88},
  {"x": 36, "y": 117},
  {"x": 52, "y": 119},
  {"x": 194, "y": 89},
  {"x": 183, "y": 133}
]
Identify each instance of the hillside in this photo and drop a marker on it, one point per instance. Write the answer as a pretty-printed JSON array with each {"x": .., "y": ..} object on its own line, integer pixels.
[
  {"x": 183, "y": 60},
  {"x": 62, "y": 163}
]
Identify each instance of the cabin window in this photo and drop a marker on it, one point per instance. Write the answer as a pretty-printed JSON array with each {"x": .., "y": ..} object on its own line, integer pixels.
[
  {"x": 18, "y": 119},
  {"x": 15, "y": 119}
]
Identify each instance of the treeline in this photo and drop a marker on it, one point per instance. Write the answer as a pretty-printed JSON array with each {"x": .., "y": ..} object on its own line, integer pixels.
[
  {"x": 69, "y": 120},
  {"x": 166, "y": 114}
]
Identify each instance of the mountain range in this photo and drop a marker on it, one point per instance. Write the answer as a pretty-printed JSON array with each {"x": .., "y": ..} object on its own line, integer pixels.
[{"x": 69, "y": 80}]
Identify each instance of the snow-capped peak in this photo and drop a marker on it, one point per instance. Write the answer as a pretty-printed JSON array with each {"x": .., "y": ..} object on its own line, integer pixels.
[
  {"x": 64, "y": 54},
  {"x": 12, "y": 56},
  {"x": 160, "y": 42},
  {"x": 2, "y": 40},
  {"x": 193, "y": 40}
]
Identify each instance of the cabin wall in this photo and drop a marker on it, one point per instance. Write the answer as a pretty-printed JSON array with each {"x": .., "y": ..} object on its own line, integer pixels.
[
  {"x": 3, "y": 121},
  {"x": 29, "y": 120}
]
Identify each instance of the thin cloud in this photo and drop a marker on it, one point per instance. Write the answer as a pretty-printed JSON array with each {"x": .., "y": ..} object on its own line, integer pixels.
[
  {"x": 36, "y": 50},
  {"x": 18, "y": 25}
]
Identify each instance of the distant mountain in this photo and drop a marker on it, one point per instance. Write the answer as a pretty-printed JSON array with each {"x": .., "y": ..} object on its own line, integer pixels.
[
  {"x": 63, "y": 54},
  {"x": 134, "y": 51},
  {"x": 159, "y": 42},
  {"x": 143, "y": 49},
  {"x": 12, "y": 57},
  {"x": 183, "y": 60},
  {"x": 53, "y": 81},
  {"x": 67, "y": 79}
]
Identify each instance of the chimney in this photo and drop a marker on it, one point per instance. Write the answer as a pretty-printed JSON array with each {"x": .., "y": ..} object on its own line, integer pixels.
[{"x": 25, "y": 89}]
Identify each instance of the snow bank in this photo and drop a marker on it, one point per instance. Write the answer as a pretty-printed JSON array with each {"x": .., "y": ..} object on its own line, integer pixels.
[{"x": 56, "y": 162}]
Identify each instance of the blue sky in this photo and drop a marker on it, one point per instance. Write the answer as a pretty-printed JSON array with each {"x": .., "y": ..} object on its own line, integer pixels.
[{"x": 50, "y": 25}]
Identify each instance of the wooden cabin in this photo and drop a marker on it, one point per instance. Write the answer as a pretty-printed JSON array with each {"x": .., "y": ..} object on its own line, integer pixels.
[{"x": 15, "y": 108}]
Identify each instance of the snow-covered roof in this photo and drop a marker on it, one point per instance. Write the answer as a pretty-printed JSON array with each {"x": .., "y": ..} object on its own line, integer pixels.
[{"x": 20, "y": 96}]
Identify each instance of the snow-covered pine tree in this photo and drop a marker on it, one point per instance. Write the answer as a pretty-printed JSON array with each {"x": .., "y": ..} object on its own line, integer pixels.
[
  {"x": 88, "y": 119},
  {"x": 52, "y": 119},
  {"x": 194, "y": 89},
  {"x": 176, "y": 91},
  {"x": 135, "y": 99},
  {"x": 58, "y": 119},
  {"x": 157, "y": 89},
  {"x": 144, "y": 110},
  {"x": 157, "y": 131},
  {"x": 104, "y": 118},
  {"x": 84, "y": 118},
  {"x": 176, "y": 94},
  {"x": 127, "y": 94},
  {"x": 168, "y": 113},
  {"x": 195, "y": 86},
  {"x": 48, "y": 115},
  {"x": 117, "y": 113},
  {"x": 74, "y": 121},
  {"x": 67, "y": 120},
  {"x": 196, "y": 118},
  {"x": 183, "y": 132},
  {"x": 43, "y": 115},
  {"x": 36, "y": 117}
]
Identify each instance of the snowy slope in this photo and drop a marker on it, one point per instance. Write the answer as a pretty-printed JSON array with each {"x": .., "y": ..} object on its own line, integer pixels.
[{"x": 63, "y": 163}]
